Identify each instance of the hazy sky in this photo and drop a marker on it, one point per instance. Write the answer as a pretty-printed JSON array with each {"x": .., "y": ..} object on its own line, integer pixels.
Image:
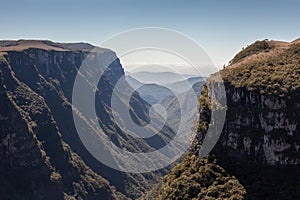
[{"x": 221, "y": 27}]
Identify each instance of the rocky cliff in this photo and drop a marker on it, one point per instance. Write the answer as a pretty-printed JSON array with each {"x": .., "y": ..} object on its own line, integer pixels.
[
  {"x": 262, "y": 90},
  {"x": 36, "y": 163},
  {"x": 37, "y": 129},
  {"x": 259, "y": 143}
]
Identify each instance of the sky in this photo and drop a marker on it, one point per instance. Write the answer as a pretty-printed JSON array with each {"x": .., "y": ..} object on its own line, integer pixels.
[{"x": 221, "y": 27}]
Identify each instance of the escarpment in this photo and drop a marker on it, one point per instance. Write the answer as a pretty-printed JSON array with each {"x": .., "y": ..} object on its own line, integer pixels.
[
  {"x": 259, "y": 143},
  {"x": 262, "y": 119},
  {"x": 37, "y": 80},
  {"x": 36, "y": 163}
]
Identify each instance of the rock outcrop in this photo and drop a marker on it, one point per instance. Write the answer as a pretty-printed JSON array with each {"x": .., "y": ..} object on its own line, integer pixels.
[
  {"x": 259, "y": 143},
  {"x": 36, "y": 163},
  {"x": 36, "y": 94},
  {"x": 262, "y": 120}
]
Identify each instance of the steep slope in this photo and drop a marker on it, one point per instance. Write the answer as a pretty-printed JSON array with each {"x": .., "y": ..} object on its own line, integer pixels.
[
  {"x": 259, "y": 143},
  {"x": 263, "y": 99},
  {"x": 49, "y": 70},
  {"x": 35, "y": 161},
  {"x": 172, "y": 105}
]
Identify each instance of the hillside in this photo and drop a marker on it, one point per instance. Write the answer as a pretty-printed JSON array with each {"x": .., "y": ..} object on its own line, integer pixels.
[
  {"x": 259, "y": 144},
  {"x": 198, "y": 178},
  {"x": 272, "y": 68},
  {"x": 36, "y": 91},
  {"x": 36, "y": 163}
]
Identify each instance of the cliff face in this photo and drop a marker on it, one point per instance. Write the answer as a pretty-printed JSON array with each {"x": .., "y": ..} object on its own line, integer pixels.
[
  {"x": 260, "y": 141},
  {"x": 263, "y": 128},
  {"x": 36, "y": 163},
  {"x": 47, "y": 71},
  {"x": 262, "y": 120}
]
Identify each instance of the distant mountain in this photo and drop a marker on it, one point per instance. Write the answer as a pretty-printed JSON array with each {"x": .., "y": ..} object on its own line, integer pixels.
[
  {"x": 172, "y": 102},
  {"x": 135, "y": 84},
  {"x": 154, "y": 93},
  {"x": 185, "y": 85},
  {"x": 161, "y": 78}
]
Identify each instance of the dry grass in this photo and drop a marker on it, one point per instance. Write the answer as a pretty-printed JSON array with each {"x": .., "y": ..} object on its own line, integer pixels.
[
  {"x": 271, "y": 69},
  {"x": 276, "y": 48},
  {"x": 26, "y": 44},
  {"x": 296, "y": 41}
]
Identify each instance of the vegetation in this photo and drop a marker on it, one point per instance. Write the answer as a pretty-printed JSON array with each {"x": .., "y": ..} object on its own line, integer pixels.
[
  {"x": 204, "y": 101},
  {"x": 2, "y": 59},
  {"x": 200, "y": 178},
  {"x": 257, "y": 47},
  {"x": 264, "y": 182},
  {"x": 205, "y": 106},
  {"x": 227, "y": 177},
  {"x": 278, "y": 75}
]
